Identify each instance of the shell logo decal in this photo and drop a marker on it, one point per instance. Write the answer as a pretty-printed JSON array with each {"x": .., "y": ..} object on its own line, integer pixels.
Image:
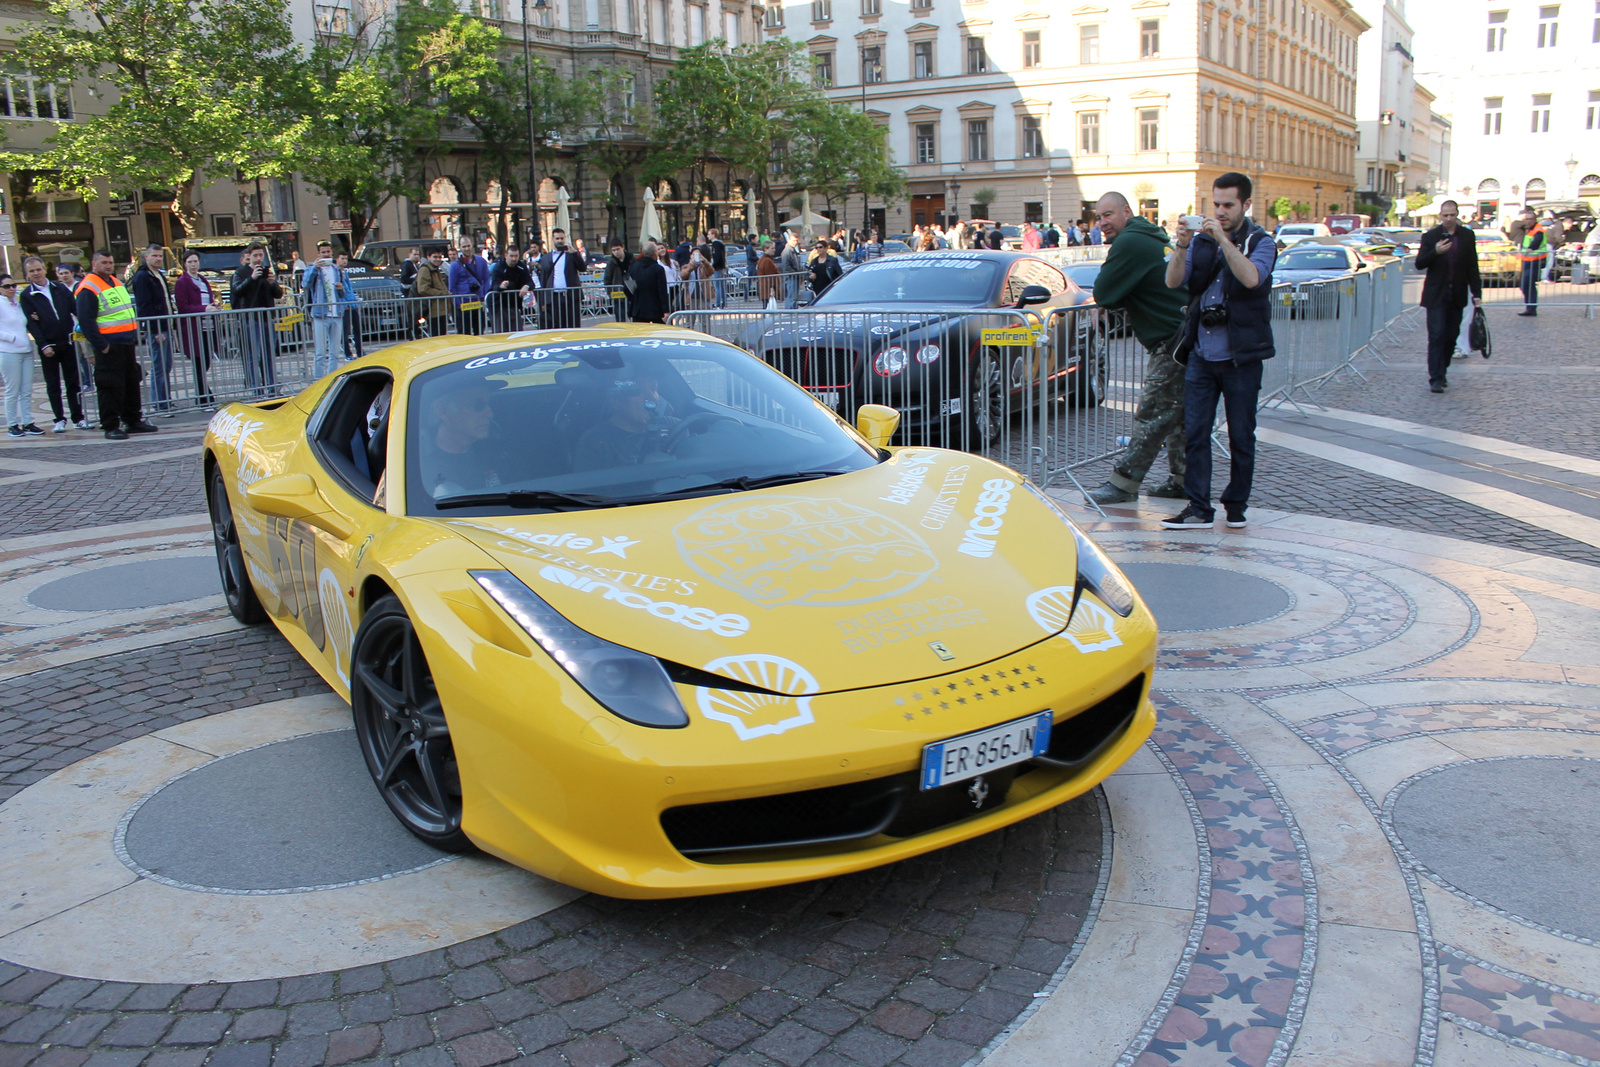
[
  {"x": 336, "y": 618},
  {"x": 1092, "y": 629},
  {"x": 755, "y": 715},
  {"x": 780, "y": 550}
]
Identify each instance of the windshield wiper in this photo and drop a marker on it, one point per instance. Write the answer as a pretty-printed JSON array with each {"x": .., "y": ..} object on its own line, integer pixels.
[
  {"x": 527, "y": 498},
  {"x": 745, "y": 484}
]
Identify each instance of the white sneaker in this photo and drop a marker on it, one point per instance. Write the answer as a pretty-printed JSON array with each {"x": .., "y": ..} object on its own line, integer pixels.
[
  {"x": 82, "y": 424},
  {"x": 60, "y": 426}
]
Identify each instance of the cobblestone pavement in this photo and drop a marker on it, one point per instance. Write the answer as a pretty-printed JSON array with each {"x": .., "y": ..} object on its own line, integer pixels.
[{"x": 1267, "y": 910}]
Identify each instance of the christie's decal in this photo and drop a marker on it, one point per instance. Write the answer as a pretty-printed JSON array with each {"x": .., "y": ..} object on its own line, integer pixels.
[
  {"x": 944, "y": 504},
  {"x": 754, "y": 715},
  {"x": 682, "y": 614}
]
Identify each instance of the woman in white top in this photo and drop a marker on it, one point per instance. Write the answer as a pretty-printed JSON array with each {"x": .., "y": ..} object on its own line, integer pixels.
[{"x": 16, "y": 362}]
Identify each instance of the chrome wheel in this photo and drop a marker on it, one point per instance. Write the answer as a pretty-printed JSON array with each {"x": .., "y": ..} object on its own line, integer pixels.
[
  {"x": 401, "y": 728},
  {"x": 986, "y": 395}
]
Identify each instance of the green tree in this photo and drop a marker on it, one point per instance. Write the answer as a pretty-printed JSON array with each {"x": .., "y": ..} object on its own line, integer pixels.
[
  {"x": 1418, "y": 200},
  {"x": 200, "y": 88},
  {"x": 1282, "y": 207},
  {"x": 982, "y": 198},
  {"x": 838, "y": 151}
]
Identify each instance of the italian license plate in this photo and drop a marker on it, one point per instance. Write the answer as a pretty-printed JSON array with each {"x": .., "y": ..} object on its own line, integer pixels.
[{"x": 981, "y": 751}]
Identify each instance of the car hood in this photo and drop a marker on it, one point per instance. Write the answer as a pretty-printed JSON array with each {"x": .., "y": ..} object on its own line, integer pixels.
[
  {"x": 857, "y": 577},
  {"x": 1291, "y": 274}
]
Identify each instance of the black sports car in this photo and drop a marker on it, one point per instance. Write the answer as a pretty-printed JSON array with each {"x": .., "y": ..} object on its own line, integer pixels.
[{"x": 908, "y": 332}]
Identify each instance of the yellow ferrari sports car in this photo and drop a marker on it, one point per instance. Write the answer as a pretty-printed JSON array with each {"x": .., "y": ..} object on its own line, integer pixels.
[{"x": 626, "y": 607}]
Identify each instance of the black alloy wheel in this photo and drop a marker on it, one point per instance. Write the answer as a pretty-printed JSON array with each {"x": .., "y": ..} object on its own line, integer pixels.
[
  {"x": 401, "y": 728},
  {"x": 987, "y": 408},
  {"x": 1089, "y": 381},
  {"x": 243, "y": 603}
]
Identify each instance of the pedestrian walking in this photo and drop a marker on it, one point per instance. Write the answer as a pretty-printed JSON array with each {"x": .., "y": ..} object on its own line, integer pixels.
[
  {"x": 1134, "y": 279},
  {"x": 152, "y": 302},
  {"x": 769, "y": 282},
  {"x": 48, "y": 307},
  {"x": 323, "y": 292},
  {"x": 255, "y": 292},
  {"x": 469, "y": 281},
  {"x": 1449, "y": 255},
  {"x": 1032, "y": 239},
  {"x": 792, "y": 264},
  {"x": 619, "y": 285},
  {"x": 1533, "y": 249},
  {"x": 825, "y": 269},
  {"x": 510, "y": 281},
  {"x": 561, "y": 285},
  {"x": 350, "y": 305},
  {"x": 652, "y": 298},
  {"x": 16, "y": 362},
  {"x": 104, "y": 310},
  {"x": 1227, "y": 269},
  {"x": 196, "y": 327},
  {"x": 433, "y": 287}
]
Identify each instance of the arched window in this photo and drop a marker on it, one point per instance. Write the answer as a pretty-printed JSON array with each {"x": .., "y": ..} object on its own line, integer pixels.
[
  {"x": 1489, "y": 185},
  {"x": 1535, "y": 190},
  {"x": 1589, "y": 184}
]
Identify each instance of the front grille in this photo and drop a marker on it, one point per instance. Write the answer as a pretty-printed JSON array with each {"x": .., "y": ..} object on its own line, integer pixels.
[
  {"x": 816, "y": 367},
  {"x": 1076, "y": 741},
  {"x": 731, "y": 829}
]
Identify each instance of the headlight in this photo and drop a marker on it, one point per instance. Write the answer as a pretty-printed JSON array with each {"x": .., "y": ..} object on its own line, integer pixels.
[
  {"x": 627, "y": 683},
  {"x": 928, "y": 354},
  {"x": 891, "y": 361},
  {"x": 1096, "y": 572}
]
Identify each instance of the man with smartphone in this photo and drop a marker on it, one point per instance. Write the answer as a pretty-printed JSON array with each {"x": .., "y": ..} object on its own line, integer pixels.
[
  {"x": 1227, "y": 270},
  {"x": 1449, "y": 255}
]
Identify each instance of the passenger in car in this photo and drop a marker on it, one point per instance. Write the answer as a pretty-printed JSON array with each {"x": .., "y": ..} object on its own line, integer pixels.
[{"x": 460, "y": 453}]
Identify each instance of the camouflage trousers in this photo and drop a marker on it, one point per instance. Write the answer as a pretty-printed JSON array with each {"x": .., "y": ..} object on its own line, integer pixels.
[{"x": 1157, "y": 421}]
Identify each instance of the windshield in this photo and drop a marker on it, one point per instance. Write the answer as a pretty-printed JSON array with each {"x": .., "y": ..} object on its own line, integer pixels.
[
  {"x": 1296, "y": 231},
  {"x": 1084, "y": 274},
  {"x": 919, "y": 278},
  {"x": 225, "y": 260},
  {"x": 1313, "y": 259},
  {"x": 609, "y": 422}
]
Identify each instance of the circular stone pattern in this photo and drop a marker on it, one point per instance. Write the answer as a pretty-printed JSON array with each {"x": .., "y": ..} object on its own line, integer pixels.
[
  {"x": 1515, "y": 833},
  {"x": 289, "y": 816},
  {"x": 145, "y": 584},
  {"x": 1187, "y": 597}
]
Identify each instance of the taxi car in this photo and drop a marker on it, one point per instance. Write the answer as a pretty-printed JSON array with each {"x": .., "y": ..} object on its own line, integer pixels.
[
  {"x": 626, "y": 607},
  {"x": 1497, "y": 258}
]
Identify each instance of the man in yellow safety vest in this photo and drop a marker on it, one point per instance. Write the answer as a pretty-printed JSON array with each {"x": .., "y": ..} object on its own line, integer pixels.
[
  {"x": 106, "y": 317},
  {"x": 1533, "y": 249}
]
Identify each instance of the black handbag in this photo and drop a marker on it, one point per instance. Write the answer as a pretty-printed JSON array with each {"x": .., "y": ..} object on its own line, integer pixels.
[{"x": 1478, "y": 333}]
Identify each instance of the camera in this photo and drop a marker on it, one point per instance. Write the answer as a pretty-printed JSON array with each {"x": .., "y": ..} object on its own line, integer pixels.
[{"x": 1214, "y": 316}]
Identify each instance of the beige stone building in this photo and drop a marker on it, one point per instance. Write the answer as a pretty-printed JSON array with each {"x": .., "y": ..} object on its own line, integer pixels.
[{"x": 1050, "y": 104}]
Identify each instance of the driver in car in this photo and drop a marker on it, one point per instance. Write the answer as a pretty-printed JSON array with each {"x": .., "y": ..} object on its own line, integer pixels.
[
  {"x": 462, "y": 456},
  {"x": 636, "y": 425}
]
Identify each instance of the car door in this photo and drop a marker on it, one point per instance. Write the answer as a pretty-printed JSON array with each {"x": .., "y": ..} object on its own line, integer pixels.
[{"x": 315, "y": 561}]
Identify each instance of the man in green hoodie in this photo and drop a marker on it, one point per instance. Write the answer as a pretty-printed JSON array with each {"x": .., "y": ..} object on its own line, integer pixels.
[{"x": 1134, "y": 279}]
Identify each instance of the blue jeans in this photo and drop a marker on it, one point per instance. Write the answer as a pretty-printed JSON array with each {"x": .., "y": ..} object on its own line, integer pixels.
[
  {"x": 326, "y": 337},
  {"x": 1530, "y": 283},
  {"x": 791, "y": 290},
  {"x": 260, "y": 351},
  {"x": 160, "y": 347},
  {"x": 1239, "y": 387},
  {"x": 719, "y": 279}
]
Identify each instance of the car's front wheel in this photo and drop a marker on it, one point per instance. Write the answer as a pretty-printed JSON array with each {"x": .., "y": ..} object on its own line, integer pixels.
[
  {"x": 401, "y": 728},
  {"x": 243, "y": 603},
  {"x": 987, "y": 399},
  {"x": 1089, "y": 380}
]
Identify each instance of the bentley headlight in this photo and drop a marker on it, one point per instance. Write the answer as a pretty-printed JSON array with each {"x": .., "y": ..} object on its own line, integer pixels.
[
  {"x": 891, "y": 361},
  {"x": 1096, "y": 572},
  {"x": 928, "y": 354},
  {"x": 629, "y": 684}
]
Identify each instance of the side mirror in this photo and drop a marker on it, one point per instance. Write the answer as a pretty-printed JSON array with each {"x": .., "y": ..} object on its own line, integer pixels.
[
  {"x": 877, "y": 423},
  {"x": 803, "y": 300},
  {"x": 295, "y": 496},
  {"x": 1033, "y": 294}
]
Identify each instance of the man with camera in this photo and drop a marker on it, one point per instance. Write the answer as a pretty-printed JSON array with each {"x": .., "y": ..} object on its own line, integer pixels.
[
  {"x": 254, "y": 293},
  {"x": 1227, "y": 269}
]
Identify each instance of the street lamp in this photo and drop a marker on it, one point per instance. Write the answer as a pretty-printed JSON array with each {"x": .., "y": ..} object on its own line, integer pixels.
[
  {"x": 527, "y": 101},
  {"x": 1572, "y": 170},
  {"x": 874, "y": 68},
  {"x": 1317, "y": 189},
  {"x": 1049, "y": 205}
]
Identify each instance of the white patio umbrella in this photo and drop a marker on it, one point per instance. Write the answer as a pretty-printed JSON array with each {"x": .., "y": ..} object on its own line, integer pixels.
[
  {"x": 563, "y": 217},
  {"x": 811, "y": 221},
  {"x": 650, "y": 227}
]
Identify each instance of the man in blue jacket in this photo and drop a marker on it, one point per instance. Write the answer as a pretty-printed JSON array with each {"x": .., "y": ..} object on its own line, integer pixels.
[
  {"x": 469, "y": 281},
  {"x": 1227, "y": 269}
]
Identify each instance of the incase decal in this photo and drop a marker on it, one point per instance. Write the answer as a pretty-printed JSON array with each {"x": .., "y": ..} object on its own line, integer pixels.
[{"x": 987, "y": 518}]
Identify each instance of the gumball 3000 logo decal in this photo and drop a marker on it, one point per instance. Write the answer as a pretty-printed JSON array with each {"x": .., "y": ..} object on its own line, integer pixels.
[
  {"x": 755, "y": 715},
  {"x": 794, "y": 550}
]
